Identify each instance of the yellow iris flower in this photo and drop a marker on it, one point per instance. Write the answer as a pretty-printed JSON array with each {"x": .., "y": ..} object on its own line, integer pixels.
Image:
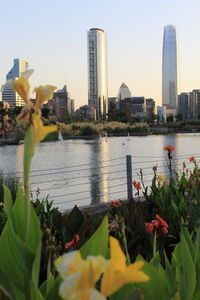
[
  {"x": 118, "y": 273},
  {"x": 80, "y": 276},
  {"x": 31, "y": 113}
]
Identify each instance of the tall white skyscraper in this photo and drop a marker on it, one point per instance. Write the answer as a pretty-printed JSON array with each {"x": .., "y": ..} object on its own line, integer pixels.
[
  {"x": 8, "y": 94},
  {"x": 97, "y": 72},
  {"x": 169, "y": 68}
]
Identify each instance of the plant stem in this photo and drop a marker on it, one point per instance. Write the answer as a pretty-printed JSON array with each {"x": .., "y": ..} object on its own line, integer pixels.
[{"x": 28, "y": 153}]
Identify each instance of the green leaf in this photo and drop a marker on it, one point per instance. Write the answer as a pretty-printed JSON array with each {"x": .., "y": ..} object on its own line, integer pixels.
[
  {"x": 188, "y": 282},
  {"x": 123, "y": 293},
  {"x": 98, "y": 242},
  {"x": 155, "y": 288},
  {"x": 50, "y": 288},
  {"x": 16, "y": 262},
  {"x": 72, "y": 222},
  {"x": 7, "y": 200}
]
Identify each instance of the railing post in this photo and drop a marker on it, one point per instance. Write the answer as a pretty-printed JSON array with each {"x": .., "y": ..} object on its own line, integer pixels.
[{"x": 129, "y": 176}]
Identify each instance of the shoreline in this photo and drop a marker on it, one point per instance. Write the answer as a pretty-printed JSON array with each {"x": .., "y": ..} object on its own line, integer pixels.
[{"x": 91, "y": 137}]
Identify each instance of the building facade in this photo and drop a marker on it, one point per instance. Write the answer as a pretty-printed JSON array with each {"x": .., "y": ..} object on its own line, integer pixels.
[
  {"x": 194, "y": 104},
  {"x": 169, "y": 68},
  {"x": 124, "y": 92},
  {"x": 133, "y": 107},
  {"x": 184, "y": 105},
  {"x": 97, "y": 72},
  {"x": 8, "y": 94},
  {"x": 61, "y": 105}
]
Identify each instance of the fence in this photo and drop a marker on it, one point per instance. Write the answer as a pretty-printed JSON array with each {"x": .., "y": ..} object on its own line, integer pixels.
[{"x": 102, "y": 181}]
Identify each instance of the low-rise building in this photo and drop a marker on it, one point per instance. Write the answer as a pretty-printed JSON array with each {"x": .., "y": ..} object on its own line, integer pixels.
[{"x": 85, "y": 113}]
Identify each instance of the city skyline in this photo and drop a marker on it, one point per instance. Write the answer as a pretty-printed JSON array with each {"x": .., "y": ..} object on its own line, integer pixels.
[{"x": 57, "y": 50}]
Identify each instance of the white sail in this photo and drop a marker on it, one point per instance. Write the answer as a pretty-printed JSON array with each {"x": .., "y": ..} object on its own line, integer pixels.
[
  {"x": 106, "y": 137},
  {"x": 60, "y": 137}
]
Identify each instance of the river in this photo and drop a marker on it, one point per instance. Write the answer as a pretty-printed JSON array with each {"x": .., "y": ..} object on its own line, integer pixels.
[{"x": 88, "y": 171}]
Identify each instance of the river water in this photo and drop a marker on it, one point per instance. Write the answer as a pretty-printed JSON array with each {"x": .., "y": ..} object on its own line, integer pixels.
[{"x": 89, "y": 171}]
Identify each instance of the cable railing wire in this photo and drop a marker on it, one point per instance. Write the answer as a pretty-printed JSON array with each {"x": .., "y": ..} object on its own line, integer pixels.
[{"x": 68, "y": 167}]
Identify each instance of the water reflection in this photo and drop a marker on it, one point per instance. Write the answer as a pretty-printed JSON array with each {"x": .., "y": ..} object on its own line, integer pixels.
[{"x": 98, "y": 178}]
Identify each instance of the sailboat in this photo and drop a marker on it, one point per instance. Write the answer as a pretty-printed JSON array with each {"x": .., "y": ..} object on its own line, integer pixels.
[
  {"x": 106, "y": 137},
  {"x": 60, "y": 137}
]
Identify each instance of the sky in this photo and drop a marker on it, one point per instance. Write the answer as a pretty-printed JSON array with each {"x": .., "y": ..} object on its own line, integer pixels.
[{"x": 52, "y": 36}]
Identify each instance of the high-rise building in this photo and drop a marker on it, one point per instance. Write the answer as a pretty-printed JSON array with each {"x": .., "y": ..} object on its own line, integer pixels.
[
  {"x": 169, "y": 68},
  {"x": 124, "y": 92},
  {"x": 97, "y": 72},
  {"x": 8, "y": 94},
  {"x": 183, "y": 105}
]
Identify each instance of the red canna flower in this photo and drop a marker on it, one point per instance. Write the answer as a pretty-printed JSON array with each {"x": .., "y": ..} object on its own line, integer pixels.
[
  {"x": 192, "y": 159},
  {"x": 150, "y": 227},
  {"x": 161, "y": 221},
  {"x": 136, "y": 185},
  {"x": 73, "y": 243},
  {"x": 115, "y": 203},
  {"x": 169, "y": 148},
  {"x": 159, "y": 226}
]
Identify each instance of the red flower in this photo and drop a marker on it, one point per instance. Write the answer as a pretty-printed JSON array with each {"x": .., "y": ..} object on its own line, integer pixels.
[
  {"x": 169, "y": 148},
  {"x": 192, "y": 159},
  {"x": 161, "y": 221},
  {"x": 149, "y": 227},
  {"x": 136, "y": 185},
  {"x": 115, "y": 203},
  {"x": 73, "y": 243},
  {"x": 159, "y": 226}
]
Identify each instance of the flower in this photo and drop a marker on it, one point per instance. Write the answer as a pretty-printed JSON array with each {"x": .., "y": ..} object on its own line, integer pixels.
[
  {"x": 192, "y": 159},
  {"x": 161, "y": 179},
  {"x": 31, "y": 113},
  {"x": 117, "y": 273},
  {"x": 73, "y": 243},
  {"x": 80, "y": 276},
  {"x": 149, "y": 227},
  {"x": 115, "y": 203},
  {"x": 169, "y": 148},
  {"x": 158, "y": 225},
  {"x": 136, "y": 185}
]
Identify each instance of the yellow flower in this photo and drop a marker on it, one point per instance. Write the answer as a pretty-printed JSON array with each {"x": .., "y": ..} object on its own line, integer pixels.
[
  {"x": 40, "y": 131},
  {"x": 80, "y": 276},
  {"x": 162, "y": 179},
  {"x": 159, "y": 177},
  {"x": 68, "y": 263},
  {"x": 21, "y": 85},
  {"x": 31, "y": 113},
  {"x": 118, "y": 273},
  {"x": 43, "y": 94}
]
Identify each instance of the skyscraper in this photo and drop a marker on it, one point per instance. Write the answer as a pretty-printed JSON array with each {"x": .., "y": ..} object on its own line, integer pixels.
[
  {"x": 8, "y": 94},
  {"x": 169, "y": 68},
  {"x": 97, "y": 72},
  {"x": 124, "y": 92}
]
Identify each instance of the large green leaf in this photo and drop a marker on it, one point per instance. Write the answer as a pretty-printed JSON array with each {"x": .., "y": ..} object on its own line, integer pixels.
[
  {"x": 123, "y": 293},
  {"x": 155, "y": 288},
  {"x": 188, "y": 272},
  {"x": 98, "y": 242},
  {"x": 16, "y": 261},
  {"x": 19, "y": 260}
]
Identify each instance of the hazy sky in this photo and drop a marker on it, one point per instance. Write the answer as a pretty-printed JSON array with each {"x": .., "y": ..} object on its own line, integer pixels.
[{"x": 52, "y": 36}]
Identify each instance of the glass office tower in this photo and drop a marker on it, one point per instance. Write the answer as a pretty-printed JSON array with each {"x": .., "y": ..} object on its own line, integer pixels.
[
  {"x": 97, "y": 72},
  {"x": 169, "y": 68}
]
